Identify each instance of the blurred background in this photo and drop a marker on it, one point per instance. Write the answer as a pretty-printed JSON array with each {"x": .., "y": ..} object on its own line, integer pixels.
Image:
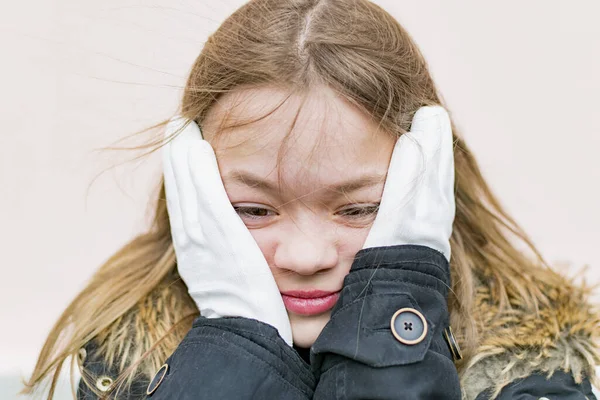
[{"x": 520, "y": 78}]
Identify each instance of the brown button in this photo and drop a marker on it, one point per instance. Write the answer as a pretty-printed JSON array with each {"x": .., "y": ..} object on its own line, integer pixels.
[
  {"x": 103, "y": 383},
  {"x": 453, "y": 344},
  {"x": 82, "y": 354},
  {"x": 409, "y": 326},
  {"x": 157, "y": 380}
]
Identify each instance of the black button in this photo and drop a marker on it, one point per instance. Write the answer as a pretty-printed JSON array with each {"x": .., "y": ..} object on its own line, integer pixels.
[
  {"x": 158, "y": 378},
  {"x": 409, "y": 326}
]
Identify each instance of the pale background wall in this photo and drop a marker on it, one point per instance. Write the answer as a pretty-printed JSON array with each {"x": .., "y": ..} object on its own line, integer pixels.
[{"x": 521, "y": 78}]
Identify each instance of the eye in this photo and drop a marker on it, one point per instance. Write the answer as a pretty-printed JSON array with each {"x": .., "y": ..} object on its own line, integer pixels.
[
  {"x": 253, "y": 212},
  {"x": 360, "y": 212}
]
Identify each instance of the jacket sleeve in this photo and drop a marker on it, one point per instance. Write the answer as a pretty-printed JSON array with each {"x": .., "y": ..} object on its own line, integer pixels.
[
  {"x": 385, "y": 339},
  {"x": 560, "y": 385},
  {"x": 232, "y": 358},
  {"x": 222, "y": 358}
]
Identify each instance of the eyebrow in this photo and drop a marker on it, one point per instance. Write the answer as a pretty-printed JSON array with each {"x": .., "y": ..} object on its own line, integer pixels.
[{"x": 255, "y": 181}]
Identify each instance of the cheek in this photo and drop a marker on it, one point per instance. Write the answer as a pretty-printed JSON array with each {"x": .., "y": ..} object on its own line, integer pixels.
[
  {"x": 267, "y": 240},
  {"x": 351, "y": 242}
]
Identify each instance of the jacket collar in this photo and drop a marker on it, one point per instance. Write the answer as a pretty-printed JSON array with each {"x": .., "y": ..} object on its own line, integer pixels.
[{"x": 513, "y": 344}]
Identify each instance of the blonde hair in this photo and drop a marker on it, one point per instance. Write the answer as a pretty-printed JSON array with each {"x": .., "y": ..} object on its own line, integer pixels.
[{"x": 361, "y": 52}]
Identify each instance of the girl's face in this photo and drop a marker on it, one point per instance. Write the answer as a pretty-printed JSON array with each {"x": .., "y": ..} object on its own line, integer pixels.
[{"x": 312, "y": 215}]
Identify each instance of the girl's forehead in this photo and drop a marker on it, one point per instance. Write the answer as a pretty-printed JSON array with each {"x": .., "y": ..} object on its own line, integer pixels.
[{"x": 316, "y": 126}]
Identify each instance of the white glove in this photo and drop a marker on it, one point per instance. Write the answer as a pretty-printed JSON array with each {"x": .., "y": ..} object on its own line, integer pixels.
[
  {"x": 417, "y": 205},
  {"x": 217, "y": 257}
]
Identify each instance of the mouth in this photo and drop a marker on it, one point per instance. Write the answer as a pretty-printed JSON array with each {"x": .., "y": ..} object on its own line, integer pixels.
[{"x": 310, "y": 302}]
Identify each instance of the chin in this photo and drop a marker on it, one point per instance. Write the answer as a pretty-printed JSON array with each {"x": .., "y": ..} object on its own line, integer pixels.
[{"x": 306, "y": 329}]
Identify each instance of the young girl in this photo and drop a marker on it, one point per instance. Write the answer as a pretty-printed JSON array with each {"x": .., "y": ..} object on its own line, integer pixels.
[{"x": 323, "y": 232}]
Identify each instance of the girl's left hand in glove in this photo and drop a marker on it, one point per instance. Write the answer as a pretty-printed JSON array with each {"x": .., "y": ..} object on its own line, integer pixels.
[{"x": 418, "y": 205}]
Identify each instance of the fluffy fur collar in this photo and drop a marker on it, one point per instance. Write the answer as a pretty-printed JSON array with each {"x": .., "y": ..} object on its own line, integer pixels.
[{"x": 514, "y": 344}]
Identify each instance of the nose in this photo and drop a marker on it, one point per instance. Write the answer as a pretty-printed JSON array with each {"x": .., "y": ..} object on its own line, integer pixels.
[{"x": 305, "y": 253}]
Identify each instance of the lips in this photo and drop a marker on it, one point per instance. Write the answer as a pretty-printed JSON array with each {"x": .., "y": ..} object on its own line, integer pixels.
[{"x": 311, "y": 302}]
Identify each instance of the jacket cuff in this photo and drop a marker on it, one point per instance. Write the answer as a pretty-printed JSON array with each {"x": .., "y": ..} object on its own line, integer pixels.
[{"x": 391, "y": 311}]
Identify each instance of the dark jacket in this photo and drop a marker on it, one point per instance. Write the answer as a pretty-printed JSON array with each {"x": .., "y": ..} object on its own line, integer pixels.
[{"x": 388, "y": 338}]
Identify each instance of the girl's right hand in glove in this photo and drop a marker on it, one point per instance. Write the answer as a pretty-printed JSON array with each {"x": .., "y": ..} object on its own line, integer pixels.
[{"x": 217, "y": 257}]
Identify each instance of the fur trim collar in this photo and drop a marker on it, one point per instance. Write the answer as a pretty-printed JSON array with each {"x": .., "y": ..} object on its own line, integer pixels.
[{"x": 518, "y": 342}]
